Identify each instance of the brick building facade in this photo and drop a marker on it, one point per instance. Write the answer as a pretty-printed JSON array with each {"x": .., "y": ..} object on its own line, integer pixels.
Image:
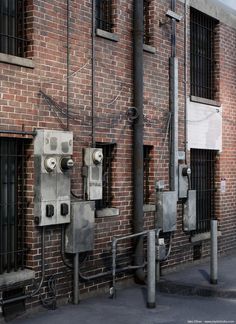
[{"x": 56, "y": 76}]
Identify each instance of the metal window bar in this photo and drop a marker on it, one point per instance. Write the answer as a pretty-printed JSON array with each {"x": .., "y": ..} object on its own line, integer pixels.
[
  {"x": 146, "y": 22},
  {"x": 12, "y": 248},
  {"x": 104, "y": 15},
  {"x": 146, "y": 173},
  {"x": 203, "y": 181},
  {"x": 108, "y": 156},
  {"x": 202, "y": 30},
  {"x": 12, "y": 27}
]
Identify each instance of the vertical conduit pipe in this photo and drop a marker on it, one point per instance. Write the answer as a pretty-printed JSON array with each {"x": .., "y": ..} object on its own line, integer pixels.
[
  {"x": 174, "y": 107},
  {"x": 93, "y": 72},
  {"x": 214, "y": 260},
  {"x": 138, "y": 135},
  {"x": 185, "y": 80},
  {"x": 68, "y": 65}
]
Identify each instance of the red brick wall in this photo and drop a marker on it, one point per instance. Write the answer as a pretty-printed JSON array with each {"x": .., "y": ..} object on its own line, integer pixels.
[{"x": 22, "y": 106}]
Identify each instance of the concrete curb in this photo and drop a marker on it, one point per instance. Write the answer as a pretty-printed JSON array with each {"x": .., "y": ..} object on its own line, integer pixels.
[{"x": 179, "y": 288}]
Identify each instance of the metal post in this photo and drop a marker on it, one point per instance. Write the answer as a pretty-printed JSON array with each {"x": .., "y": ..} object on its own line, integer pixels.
[
  {"x": 214, "y": 261},
  {"x": 113, "y": 292},
  {"x": 151, "y": 258},
  {"x": 76, "y": 279},
  {"x": 158, "y": 270},
  {"x": 138, "y": 135}
]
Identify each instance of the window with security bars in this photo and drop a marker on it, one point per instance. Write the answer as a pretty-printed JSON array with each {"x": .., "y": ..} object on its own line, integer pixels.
[
  {"x": 104, "y": 15},
  {"x": 12, "y": 204},
  {"x": 146, "y": 173},
  {"x": 203, "y": 181},
  {"x": 202, "y": 61},
  {"x": 107, "y": 164},
  {"x": 12, "y": 27},
  {"x": 146, "y": 22}
]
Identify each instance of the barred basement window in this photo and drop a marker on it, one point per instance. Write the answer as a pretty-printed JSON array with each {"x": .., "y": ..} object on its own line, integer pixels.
[
  {"x": 12, "y": 204},
  {"x": 202, "y": 39},
  {"x": 203, "y": 181},
  {"x": 108, "y": 157},
  {"x": 12, "y": 27},
  {"x": 104, "y": 15},
  {"x": 146, "y": 22},
  {"x": 146, "y": 173}
]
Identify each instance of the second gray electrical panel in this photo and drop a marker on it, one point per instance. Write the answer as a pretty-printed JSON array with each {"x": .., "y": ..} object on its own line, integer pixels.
[
  {"x": 189, "y": 212},
  {"x": 166, "y": 210},
  {"x": 79, "y": 235}
]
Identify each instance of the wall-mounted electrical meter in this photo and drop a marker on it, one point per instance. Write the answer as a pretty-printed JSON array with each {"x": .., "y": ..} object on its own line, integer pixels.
[
  {"x": 53, "y": 160},
  {"x": 93, "y": 173}
]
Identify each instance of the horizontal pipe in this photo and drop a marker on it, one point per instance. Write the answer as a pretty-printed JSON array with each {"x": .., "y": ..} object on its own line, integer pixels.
[
  {"x": 116, "y": 239},
  {"x": 16, "y": 132},
  {"x": 107, "y": 273}
]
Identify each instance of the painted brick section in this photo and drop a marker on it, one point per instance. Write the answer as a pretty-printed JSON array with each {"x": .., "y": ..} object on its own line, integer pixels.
[{"x": 22, "y": 107}]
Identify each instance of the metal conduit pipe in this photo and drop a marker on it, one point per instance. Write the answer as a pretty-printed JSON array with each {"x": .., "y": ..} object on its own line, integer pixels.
[
  {"x": 107, "y": 273},
  {"x": 16, "y": 132},
  {"x": 93, "y": 53},
  {"x": 174, "y": 107},
  {"x": 15, "y": 299},
  {"x": 68, "y": 65},
  {"x": 69, "y": 265},
  {"x": 185, "y": 80},
  {"x": 138, "y": 217}
]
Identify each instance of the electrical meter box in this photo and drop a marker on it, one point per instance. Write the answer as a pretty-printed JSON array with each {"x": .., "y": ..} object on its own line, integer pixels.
[
  {"x": 184, "y": 174},
  {"x": 93, "y": 173},
  {"x": 79, "y": 234},
  {"x": 166, "y": 210},
  {"x": 52, "y": 162}
]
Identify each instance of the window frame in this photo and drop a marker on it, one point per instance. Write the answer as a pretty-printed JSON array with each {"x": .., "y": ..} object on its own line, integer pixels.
[
  {"x": 202, "y": 54},
  {"x": 104, "y": 15},
  {"x": 203, "y": 169},
  {"x": 13, "y": 39},
  {"x": 147, "y": 158},
  {"x": 12, "y": 217}
]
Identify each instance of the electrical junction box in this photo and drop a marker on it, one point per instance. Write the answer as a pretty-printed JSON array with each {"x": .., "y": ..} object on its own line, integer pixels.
[
  {"x": 79, "y": 234},
  {"x": 166, "y": 210},
  {"x": 52, "y": 161},
  {"x": 93, "y": 176},
  {"x": 189, "y": 212}
]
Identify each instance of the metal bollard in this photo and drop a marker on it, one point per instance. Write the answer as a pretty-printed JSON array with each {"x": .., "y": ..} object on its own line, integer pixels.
[
  {"x": 151, "y": 259},
  {"x": 214, "y": 260},
  {"x": 76, "y": 279}
]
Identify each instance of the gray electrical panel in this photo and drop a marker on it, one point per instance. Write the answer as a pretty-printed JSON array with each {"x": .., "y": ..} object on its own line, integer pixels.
[
  {"x": 166, "y": 210},
  {"x": 52, "y": 161},
  {"x": 189, "y": 212},
  {"x": 93, "y": 175},
  {"x": 79, "y": 234}
]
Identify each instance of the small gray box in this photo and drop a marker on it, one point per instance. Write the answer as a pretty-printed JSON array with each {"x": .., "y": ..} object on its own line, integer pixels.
[
  {"x": 189, "y": 213},
  {"x": 79, "y": 234},
  {"x": 183, "y": 182},
  {"x": 166, "y": 210}
]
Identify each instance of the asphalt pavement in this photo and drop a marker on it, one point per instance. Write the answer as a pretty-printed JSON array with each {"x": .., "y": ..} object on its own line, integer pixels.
[{"x": 192, "y": 300}]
